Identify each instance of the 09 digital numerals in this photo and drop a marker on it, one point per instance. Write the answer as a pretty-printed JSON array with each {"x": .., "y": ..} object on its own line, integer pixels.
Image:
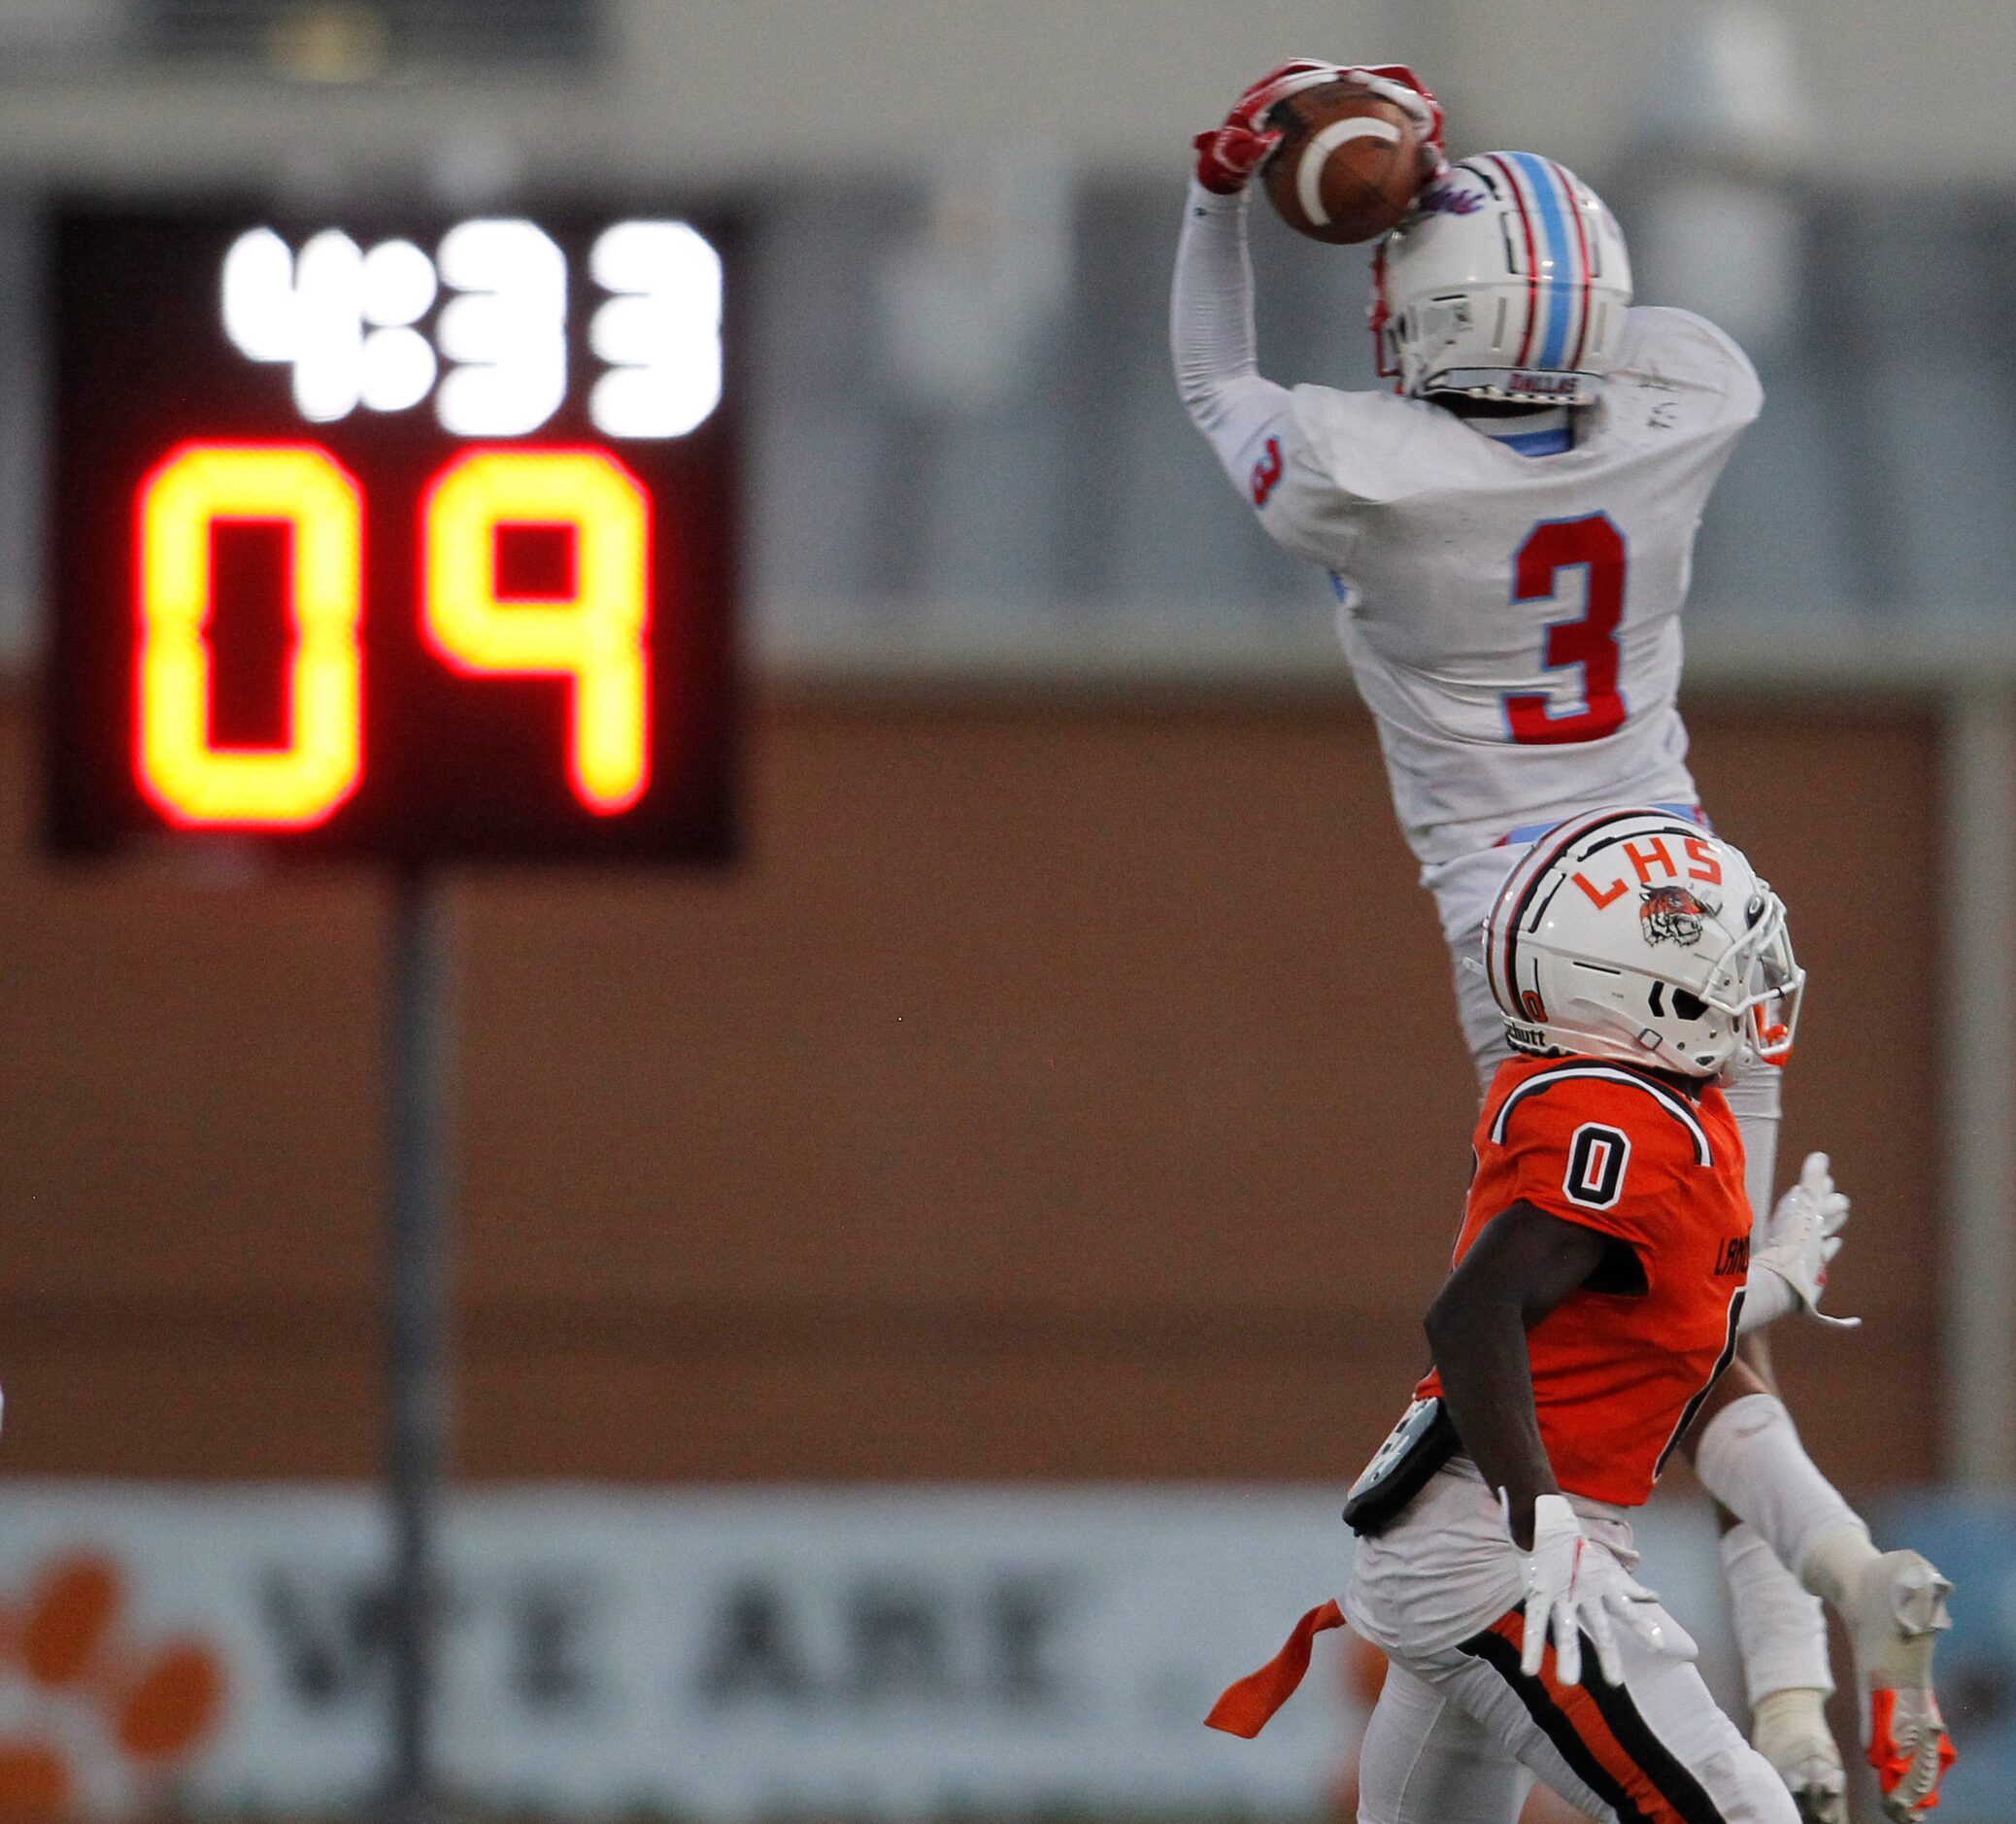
[{"x": 595, "y": 640}]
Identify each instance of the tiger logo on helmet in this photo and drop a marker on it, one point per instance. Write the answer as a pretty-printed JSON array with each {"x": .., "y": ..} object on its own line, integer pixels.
[{"x": 1676, "y": 913}]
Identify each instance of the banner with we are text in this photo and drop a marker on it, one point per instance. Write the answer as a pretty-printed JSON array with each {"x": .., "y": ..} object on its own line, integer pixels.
[{"x": 901, "y": 1653}]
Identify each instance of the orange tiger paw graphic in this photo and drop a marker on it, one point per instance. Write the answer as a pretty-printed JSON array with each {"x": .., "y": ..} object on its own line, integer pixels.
[{"x": 90, "y": 1719}]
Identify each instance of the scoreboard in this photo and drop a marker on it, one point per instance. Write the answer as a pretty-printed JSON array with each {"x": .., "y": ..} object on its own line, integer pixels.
[{"x": 409, "y": 536}]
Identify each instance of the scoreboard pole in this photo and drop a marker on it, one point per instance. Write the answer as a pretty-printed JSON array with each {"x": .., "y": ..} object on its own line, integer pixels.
[{"x": 422, "y": 1101}]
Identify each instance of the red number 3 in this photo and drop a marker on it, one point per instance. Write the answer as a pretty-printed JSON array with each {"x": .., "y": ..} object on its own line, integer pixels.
[{"x": 1593, "y": 545}]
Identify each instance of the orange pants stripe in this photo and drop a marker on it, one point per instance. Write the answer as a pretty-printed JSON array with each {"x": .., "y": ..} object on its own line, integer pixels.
[{"x": 1598, "y": 1731}]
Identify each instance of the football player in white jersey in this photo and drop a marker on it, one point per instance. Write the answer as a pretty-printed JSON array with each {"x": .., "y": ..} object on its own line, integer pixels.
[{"x": 1509, "y": 534}]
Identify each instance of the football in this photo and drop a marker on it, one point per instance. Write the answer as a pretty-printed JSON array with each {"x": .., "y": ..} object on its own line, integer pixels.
[{"x": 1349, "y": 166}]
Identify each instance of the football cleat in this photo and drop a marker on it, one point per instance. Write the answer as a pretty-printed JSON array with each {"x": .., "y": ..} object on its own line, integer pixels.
[
  {"x": 1900, "y": 1610},
  {"x": 1790, "y": 1731},
  {"x": 1818, "y": 1788}
]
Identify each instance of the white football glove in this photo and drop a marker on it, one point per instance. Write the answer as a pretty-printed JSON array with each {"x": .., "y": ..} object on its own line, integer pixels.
[
  {"x": 1574, "y": 1586},
  {"x": 1802, "y": 1237}
]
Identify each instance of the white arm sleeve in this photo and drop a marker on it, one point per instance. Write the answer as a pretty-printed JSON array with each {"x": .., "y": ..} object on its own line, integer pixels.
[{"x": 1212, "y": 337}]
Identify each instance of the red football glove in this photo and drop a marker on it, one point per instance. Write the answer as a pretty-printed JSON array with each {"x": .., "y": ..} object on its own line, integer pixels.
[
  {"x": 1228, "y": 155},
  {"x": 1399, "y": 84}
]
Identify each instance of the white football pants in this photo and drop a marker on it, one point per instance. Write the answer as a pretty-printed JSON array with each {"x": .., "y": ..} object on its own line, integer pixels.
[
  {"x": 1459, "y": 1738},
  {"x": 1459, "y": 1732}
]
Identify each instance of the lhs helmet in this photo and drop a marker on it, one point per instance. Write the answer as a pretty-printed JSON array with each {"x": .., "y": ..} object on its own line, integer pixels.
[
  {"x": 1635, "y": 934},
  {"x": 1509, "y": 281}
]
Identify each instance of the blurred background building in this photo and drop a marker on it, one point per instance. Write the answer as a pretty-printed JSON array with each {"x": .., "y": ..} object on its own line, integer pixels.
[{"x": 917, "y": 1293}]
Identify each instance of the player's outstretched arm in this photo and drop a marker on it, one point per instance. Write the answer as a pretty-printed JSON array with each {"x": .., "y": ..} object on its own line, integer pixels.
[
  {"x": 1212, "y": 339},
  {"x": 1521, "y": 1265}
]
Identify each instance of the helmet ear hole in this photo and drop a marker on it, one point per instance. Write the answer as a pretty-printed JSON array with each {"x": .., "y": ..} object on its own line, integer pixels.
[{"x": 1689, "y": 1006}]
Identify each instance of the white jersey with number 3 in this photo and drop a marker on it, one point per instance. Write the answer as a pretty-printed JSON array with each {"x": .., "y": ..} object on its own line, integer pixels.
[{"x": 1513, "y": 622}]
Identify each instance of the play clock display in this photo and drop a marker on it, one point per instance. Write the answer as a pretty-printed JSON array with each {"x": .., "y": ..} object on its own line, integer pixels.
[{"x": 404, "y": 537}]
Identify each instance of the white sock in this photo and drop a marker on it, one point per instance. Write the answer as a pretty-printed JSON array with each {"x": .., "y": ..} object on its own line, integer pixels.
[
  {"x": 1835, "y": 1562},
  {"x": 1750, "y": 1460},
  {"x": 1781, "y": 1630}
]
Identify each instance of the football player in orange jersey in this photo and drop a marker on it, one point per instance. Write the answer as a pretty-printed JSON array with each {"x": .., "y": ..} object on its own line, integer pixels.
[{"x": 1601, "y": 1279}]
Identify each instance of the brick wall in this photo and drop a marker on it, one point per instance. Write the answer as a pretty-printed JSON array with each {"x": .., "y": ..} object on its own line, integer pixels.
[{"x": 1056, "y": 1091}]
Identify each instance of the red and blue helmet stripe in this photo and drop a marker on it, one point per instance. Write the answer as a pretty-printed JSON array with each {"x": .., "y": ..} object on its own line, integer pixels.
[{"x": 1558, "y": 262}]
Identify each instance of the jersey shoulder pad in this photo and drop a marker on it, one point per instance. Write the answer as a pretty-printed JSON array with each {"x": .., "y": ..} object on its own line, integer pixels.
[
  {"x": 1706, "y": 378},
  {"x": 1377, "y": 446},
  {"x": 1595, "y": 1143},
  {"x": 1549, "y": 1106}
]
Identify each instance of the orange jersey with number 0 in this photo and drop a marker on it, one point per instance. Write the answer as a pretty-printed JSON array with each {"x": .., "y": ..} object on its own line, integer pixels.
[{"x": 1622, "y": 1365}]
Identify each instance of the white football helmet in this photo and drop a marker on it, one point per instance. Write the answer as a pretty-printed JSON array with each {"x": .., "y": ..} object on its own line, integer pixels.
[
  {"x": 1635, "y": 934},
  {"x": 1509, "y": 281}
]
